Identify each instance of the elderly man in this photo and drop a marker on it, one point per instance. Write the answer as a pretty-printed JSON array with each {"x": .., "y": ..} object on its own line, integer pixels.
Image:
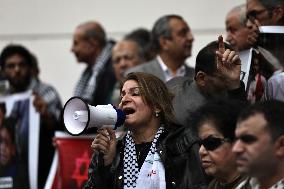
[
  {"x": 237, "y": 32},
  {"x": 131, "y": 51},
  {"x": 91, "y": 47},
  {"x": 172, "y": 40},
  {"x": 259, "y": 147}
]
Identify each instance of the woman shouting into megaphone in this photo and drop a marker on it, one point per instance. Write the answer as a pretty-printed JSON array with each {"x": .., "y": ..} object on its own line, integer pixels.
[{"x": 155, "y": 152}]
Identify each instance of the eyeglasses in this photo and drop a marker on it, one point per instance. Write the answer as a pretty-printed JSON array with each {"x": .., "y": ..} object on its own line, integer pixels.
[
  {"x": 252, "y": 15},
  {"x": 212, "y": 143}
]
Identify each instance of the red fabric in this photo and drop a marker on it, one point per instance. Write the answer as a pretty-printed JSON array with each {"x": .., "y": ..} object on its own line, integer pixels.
[
  {"x": 259, "y": 89},
  {"x": 74, "y": 160},
  {"x": 56, "y": 182}
]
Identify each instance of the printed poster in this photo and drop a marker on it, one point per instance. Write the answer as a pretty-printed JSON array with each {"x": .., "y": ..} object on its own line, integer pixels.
[{"x": 19, "y": 141}]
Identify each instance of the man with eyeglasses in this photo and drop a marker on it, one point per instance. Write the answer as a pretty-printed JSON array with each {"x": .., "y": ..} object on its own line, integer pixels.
[
  {"x": 259, "y": 145},
  {"x": 263, "y": 13},
  {"x": 267, "y": 13},
  {"x": 17, "y": 66}
]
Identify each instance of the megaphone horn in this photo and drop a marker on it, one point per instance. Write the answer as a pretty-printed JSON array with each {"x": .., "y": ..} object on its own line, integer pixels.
[{"x": 78, "y": 116}]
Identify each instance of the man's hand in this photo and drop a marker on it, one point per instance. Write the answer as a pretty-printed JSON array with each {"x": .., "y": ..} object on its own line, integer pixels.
[
  {"x": 229, "y": 67},
  {"x": 40, "y": 105},
  {"x": 105, "y": 143}
]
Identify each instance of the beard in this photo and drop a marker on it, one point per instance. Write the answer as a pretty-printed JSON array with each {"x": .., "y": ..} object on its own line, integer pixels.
[{"x": 19, "y": 84}]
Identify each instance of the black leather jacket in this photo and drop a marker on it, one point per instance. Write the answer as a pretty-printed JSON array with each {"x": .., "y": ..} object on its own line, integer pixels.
[{"x": 178, "y": 150}]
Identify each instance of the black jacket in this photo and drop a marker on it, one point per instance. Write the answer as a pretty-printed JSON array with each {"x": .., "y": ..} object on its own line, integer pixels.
[{"x": 178, "y": 150}]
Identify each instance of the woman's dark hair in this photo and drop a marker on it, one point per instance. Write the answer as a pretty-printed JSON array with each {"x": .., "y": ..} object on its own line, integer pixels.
[{"x": 222, "y": 113}]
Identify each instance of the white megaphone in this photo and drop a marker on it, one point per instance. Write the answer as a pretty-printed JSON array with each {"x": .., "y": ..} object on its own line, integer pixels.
[{"x": 79, "y": 116}]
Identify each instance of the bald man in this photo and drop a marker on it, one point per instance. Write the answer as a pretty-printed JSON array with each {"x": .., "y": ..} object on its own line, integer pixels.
[{"x": 90, "y": 46}]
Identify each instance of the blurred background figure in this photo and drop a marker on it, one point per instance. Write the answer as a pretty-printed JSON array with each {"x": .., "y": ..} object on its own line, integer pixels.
[
  {"x": 17, "y": 64},
  {"x": 132, "y": 50},
  {"x": 237, "y": 32},
  {"x": 172, "y": 41},
  {"x": 267, "y": 13},
  {"x": 263, "y": 13},
  {"x": 90, "y": 46},
  {"x": 142, "y": 37},
  {"x": 216, "y": 122}
]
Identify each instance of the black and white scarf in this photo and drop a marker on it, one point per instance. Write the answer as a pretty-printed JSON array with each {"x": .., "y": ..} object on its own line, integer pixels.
[
  {"x": 152, "y": 173},
  {"x": 87, "y": 84}
]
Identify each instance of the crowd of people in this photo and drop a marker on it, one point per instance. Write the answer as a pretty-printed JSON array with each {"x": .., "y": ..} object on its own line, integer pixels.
[{"x": 185, "y": 127}]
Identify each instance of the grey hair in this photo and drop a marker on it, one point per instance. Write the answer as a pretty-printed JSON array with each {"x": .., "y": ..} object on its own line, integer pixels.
[
  {"x": 241, "y": 10},
  {"x": 142, "y": 38},
  {"x": 161, "y": 28}
]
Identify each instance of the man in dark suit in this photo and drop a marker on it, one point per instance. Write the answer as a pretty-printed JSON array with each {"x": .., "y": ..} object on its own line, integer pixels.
[
  {"x": 217, "y": 75},
  {"x": 90, "y": 46},
  {"x": 172, "y": 39}
]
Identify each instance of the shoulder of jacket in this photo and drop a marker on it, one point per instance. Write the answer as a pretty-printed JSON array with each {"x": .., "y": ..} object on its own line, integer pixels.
[
  {"x": 142, "y": 67},
  {"x": 181, "y": 140},
  {"x": 179, "y": 82}
]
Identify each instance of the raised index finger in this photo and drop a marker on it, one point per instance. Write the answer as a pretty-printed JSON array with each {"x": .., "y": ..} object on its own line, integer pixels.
[{"x": 221, "y": 44}]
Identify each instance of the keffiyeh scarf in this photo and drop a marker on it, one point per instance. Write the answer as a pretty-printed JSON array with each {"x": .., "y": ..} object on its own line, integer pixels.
[
  {"x": 152, "y": 173},
  {"x": 87, "y": 84}
]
